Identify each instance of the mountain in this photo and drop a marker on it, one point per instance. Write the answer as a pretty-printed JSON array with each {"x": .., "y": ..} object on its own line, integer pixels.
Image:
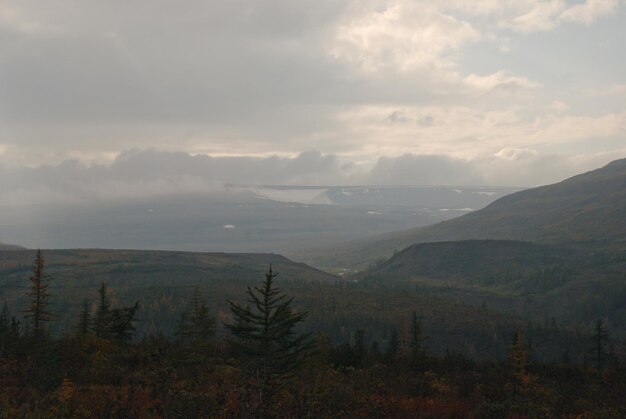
[
  {"x": 573, "y": 285},
  {"x": 590, "y": 207},
  {"x": 5, "y": 246},
  {"x": 476, "y": 260}
]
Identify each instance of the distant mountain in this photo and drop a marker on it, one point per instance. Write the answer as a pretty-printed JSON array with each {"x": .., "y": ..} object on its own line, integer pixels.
[
  {"x": 5, "y": 246},
  {"x": 590, "y": 207}
]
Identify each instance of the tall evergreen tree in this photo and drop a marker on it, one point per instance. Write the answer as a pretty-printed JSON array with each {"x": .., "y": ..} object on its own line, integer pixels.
[
  {"x": 519, "y": 358},
  {"x": 600, "y": 341},
  {"x": 121, "y": 326},
  {"x": 37, "y": 310},
  {"x": 195, "y": 326},
  {"x": 265, "y": 334},
  {"x": 102, "y": 321},
  {"x": 85, "y": 320},
  {"x": 114, "y": 323},
  {"x": 201, "y": 324},
  {"x": 417, "y": 341}
]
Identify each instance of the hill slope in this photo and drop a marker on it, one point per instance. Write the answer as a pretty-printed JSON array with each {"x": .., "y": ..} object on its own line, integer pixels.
[
  {"x": 5, "y": 246},
  {"x": 585, "y": 208},
  {"x": 476, "y": 260},
  {"x": 572, "y": 285},
  {"x": 161, "y": 281}
]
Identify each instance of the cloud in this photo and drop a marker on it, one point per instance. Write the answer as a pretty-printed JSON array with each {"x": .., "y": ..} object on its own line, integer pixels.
[
  {"x": 354, "y": 79},
  {"x": 500, "y": 81},
  {"x": 143, "y": 174},
  {"x": 541, "y": 17},
  {"x": 589, "y": 11},
  {"x": 401, "y": 36},
  {"x": 412, "y": 169}
]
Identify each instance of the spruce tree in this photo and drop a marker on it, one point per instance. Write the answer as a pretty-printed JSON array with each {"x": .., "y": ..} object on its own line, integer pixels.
[
  {"x": 265, "y": 335},
  {"x": 600, "y": 341},
  {"x": 85, "y": 320},
  {"x": 37, "y": 311},
  {"x": 519, "y": 358},
  {"x": 102, "y": 321},
  {"x": 417, "y": 341},
  {"x": 115, "y": 324},
  {"x": 121, "y": 326},
  {"x": 202, "y": 325}
]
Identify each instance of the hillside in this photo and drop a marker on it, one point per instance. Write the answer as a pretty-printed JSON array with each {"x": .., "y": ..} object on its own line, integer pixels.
[
  {"x": 5, "y": 246},
  {"x": 590, "y": 207},
  {"x": 570, "y": 284},
  {"x": 163, "y": 283},
  {"x": 475, "y": 260}
]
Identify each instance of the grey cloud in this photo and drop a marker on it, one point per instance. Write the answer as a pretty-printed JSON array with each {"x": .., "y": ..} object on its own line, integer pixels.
[
  {"x": 139, "y": 173},
  {"x": 411, "y": 169},
  {"x": 145, "y": 173}
]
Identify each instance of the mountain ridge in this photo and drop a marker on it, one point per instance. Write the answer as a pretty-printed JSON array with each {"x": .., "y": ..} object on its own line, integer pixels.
[{"x": 589, "y": 207}]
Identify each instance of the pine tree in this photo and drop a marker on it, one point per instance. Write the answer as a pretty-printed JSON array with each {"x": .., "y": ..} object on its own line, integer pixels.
[
  {"x": 202, "y": 326},
  {"x": 102, "y": 321},
  {"x": 195, "y": 326},
  {"x": 600, "y": 340},
  {"x": 519, "y": 358},
  {"x": 37, "y": 310},
  {"x": 85, "y": 320},
  {"x": 116, "y": 324},
  {"x": 265, "y": 334},
  {"x": 417, "y": 341},
  {"x": 121, "y": 326}
]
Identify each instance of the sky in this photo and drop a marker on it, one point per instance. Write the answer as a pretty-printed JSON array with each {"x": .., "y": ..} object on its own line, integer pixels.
[{"x": 167, "y": 95}]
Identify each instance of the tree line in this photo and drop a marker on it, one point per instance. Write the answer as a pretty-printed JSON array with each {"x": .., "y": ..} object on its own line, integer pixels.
[{"x": 267, "y": 366}]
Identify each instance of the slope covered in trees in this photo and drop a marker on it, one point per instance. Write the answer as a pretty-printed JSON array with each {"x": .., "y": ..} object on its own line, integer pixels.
[
  {"x": 571, "y": 284},
  {"x": 161, "y": 281},
  {"x": 268, "y": 367}
]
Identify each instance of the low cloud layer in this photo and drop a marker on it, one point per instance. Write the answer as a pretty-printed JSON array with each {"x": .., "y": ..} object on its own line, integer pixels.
[{"x": 148, "y": 173}]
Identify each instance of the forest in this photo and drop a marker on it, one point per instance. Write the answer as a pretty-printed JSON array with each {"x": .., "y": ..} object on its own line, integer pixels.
[{"x": 264, "y": 357}]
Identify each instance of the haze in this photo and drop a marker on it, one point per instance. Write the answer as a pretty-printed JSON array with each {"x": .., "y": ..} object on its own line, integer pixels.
[{"x": 118, "y": 101}]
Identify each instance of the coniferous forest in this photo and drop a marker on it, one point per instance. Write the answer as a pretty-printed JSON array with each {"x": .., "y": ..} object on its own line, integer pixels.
[{"x": 263, "y": 358}]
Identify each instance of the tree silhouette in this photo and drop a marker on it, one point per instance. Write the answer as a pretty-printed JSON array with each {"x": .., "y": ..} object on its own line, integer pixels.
[
  {"x": 37, "y": 310},
  {"x": 417, "y": 341},
  {"x": 600, "y": 340},
  {"x": 519, "y": 359},
  {"x": 102, "y": 321},
  {"x": 115, "y": 324},
  {"x": 265, "y": 335},
  {"x": 85, "y": 320}
]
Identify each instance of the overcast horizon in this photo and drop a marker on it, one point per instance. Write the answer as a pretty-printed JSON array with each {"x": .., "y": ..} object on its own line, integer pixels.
[{"x": 162, "y": 96}]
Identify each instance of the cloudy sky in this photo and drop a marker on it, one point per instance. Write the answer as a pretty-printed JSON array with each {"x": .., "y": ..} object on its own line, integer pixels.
[{"x": 498, "y": 92}]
